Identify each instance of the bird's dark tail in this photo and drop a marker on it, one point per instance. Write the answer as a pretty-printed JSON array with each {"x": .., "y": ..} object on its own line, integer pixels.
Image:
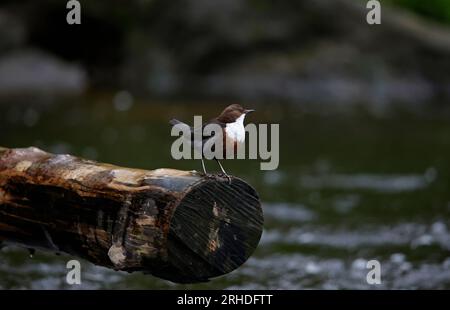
[{"x": 174, "y": 122}]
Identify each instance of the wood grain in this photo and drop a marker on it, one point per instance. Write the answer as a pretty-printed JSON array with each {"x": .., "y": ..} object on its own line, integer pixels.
[{"x": 177, "y": 225}]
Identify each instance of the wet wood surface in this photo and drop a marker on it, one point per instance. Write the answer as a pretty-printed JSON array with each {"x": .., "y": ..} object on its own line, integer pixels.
[{"x": 177, "y": 225}]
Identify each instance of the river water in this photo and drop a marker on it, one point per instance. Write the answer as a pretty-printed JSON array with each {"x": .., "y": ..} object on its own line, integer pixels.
[{"x": 351, "y": 187}]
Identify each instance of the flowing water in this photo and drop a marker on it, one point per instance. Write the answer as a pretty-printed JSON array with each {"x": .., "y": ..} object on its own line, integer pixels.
[{"x": 351, "y": 187}]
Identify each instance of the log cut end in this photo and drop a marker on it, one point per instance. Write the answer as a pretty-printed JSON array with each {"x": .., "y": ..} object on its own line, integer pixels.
[{"x": 214, "y": 230}]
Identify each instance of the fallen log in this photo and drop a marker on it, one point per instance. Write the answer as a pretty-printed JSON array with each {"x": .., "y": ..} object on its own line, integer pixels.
[{"x": 177, "y": 225}]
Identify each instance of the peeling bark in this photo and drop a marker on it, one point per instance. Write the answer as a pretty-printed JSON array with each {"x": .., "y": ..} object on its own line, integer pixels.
[{"x": 173, "y": 224}]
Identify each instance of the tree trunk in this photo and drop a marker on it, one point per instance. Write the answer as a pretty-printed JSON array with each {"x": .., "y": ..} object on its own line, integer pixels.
[{"x": 176, "y": 225}]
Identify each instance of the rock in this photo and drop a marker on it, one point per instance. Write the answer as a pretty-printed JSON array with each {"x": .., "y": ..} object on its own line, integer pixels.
[{"x": 36, "y": 72}]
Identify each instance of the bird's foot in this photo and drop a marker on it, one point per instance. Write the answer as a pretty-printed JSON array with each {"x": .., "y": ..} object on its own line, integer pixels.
[
  {"x": 206, "y": 175},
  {"x": 224, "y": 175},
  {"x": 213, "y": 176}
]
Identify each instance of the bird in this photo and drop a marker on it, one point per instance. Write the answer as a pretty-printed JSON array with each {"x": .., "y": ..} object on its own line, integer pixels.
[{"x": 231, "y": 120}]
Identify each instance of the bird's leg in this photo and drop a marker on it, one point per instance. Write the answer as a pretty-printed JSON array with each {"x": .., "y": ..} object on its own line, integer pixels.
[
  {"x": 221, "y": 168},
  {"x": 206, "y": 174},
  {"x": 203, "y": 166},
  {"x": 223, "y": 171}
]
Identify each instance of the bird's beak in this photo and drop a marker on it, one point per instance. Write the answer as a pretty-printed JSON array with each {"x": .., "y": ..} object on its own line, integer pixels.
[{"x": 248, "y": 111}]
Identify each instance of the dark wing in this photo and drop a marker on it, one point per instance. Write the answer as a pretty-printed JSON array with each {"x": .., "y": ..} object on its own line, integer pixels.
[
  {"x": 213, "y": 121},
  {"x": 174, "y": 122},
  {"x": 199, "y": 130}
]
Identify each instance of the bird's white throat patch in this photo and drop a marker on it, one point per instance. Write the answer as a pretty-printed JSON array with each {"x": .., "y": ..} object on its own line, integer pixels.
[{"x": 236, "y": 131}]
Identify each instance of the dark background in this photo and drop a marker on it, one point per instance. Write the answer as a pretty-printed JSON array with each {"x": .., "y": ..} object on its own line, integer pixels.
[{"x": 363, "y": 113}]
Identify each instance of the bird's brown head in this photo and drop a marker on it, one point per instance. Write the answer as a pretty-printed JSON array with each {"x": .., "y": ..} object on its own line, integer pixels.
[{"x": 232, "y": 113}]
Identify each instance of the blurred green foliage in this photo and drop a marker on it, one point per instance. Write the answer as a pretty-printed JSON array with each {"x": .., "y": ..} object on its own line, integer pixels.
[{"x": 438, "y": 10}]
